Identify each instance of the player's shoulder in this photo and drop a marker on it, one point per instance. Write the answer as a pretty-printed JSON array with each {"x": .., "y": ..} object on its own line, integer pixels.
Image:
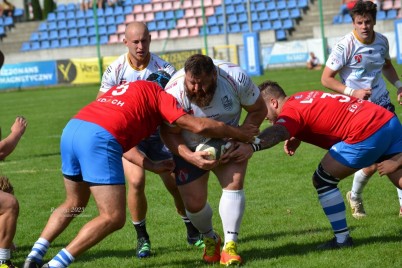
[{"x": 176, "y": 82}]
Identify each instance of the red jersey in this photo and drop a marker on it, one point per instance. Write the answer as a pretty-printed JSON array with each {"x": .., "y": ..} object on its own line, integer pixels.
[
  {"x": 323, "y": 119},
  {"x": 132, "y": 111}
]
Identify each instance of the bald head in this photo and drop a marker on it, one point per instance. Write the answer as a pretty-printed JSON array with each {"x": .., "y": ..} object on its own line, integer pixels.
[{"x": 136, "y": 28}]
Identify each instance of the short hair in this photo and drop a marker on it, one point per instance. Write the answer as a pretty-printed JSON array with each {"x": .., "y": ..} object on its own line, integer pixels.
[
  {"x": 363, "y": 8},
  {"x": 271, "y": 89},
  {"x": 198, "y": 64},
  {"x": 1, "y": 59},
  {"x": 161, "y": 77}
]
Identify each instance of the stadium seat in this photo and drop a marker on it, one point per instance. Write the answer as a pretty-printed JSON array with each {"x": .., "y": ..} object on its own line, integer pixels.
[
  {"x": 338, "y": 19},
  {"x": 179, "y": 13},
  {"x": 102, "y": 30},
  {"x": 83, "y": 41},
  {"x": 291, "y": 4},
  {"x": 102, "y": 20},
  {"x": 71, "y": 7},
  {"x": 79, "y": 14},
  {"x": 263, "y": 16},
  {"x": 230, "y": 9},
  {"x": 82, "y": 23},
  {"x": 54, "y": 43},
  {"x": 128, "y": 10},
  {"x": 266, "y": 25},
  {"x": 88, "y": 14},
  {"x": 169, "y": 14},
  {"x": 392, "y": 14},
  {"x": 18, "y": 13},
  {"x": 91, "y": 31},
  {"x": 70, "y": 15},
  {"x": 89, "y": 21},
  {"x": 60, "y": 16},
  {"x": 53, "y": 35},
  {"x": 61, "y": 8},
  {"x": 45, "y": 44},
  {"x": 103, "y": 39},
  {"x": 280, "y": 35},
  {"x": 71, "y": 24},
  {"x": 232, "y": 18},
  {"x": 381, "y": 15},
  {"x": 119, "y": 20},
  {"x": 295, "y": 13},
  {"x": 51, "y": 16},
  {"x": 281, "y": 4},
  {"x": 63, "y": 33},
  {"x": 214, "y": 29},
  {"x": 2, "y": 33},
  {"x": 260, "y": 6},
  {"x": 61, "y": 24},
  {"x": 240, "y": 9},
  {"x": 42, "y": 26},
  {"x": 92, "y": 40},
  {"x": 74, "y": 42},
  {"x": 347, "y": 18},
  {"x": 35, "y": 45},
  {"x": 34, "y": 36},
  {"x": 171, "y": 24},
  {"x": 302, "y": 4},
  {"x": 244, "y": 27},
  {"x": 288, "y": 24},
  {"x": 100, "y": 12},
  {"x": 64, "y": 43},
  {"x": 82, "y": 32},
  {"x": 234, "y": 28},
  {"x": 242, "y": 17},
  {"x": 284, "y": 14},
  {"x": 174, "y": 33},
  {"x": 121, "y": 28},
  {"x": 271, "y": 5},
  {"x": 218, "y": 10},
  {"x": 111, "y": 29},
  {"x": 109, "y": 11},
  {"x": 51, "y": 26},
  {"x": 25, "y": 46},
  {"x": 151, "y": 26},
  {"x": 73, "y": 32},
  {"x": 212, "y": 20},
  {"x": 256, "y": 26},
  {"x": 118, "y": 11},
  {"x": 128, "y": 3},
  {"x": 273, "y": 15},
  {"x": 195, "y": 31},
  {"x": 9, "y": 22},
  {"x": 277, "y": 24}
]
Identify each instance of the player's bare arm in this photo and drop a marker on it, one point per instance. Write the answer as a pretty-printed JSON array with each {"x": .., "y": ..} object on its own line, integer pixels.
[
  {"x": 216, "y": 129},
  {"x": 255, "y": 114},
  {"x": 139, "y": 159},
  {"x": 329, "y": 81},
  {"x": 273, "y": 135},
  {"x": 172, "y": 138},
  {"x": 10, "y": 142}
]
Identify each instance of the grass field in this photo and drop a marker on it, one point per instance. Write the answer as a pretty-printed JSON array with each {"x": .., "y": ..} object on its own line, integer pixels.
[{"x": 283, "y": 221}]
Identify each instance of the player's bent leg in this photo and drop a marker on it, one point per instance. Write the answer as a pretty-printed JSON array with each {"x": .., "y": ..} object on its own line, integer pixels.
[
  {"x": 334, "y": 208},
  {"x": 110, "y": 201},
  {"x": 9, "y": 209},
  {"x": 77, "y": 196}
]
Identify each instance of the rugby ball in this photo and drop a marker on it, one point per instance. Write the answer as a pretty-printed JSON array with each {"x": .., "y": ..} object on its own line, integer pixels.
[{"x": 215, "y": 147}]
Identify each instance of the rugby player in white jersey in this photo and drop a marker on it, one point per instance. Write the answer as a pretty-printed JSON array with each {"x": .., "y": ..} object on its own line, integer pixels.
[
  {"x": 137, "y": 64},
  {"x": 217, "y": 90},
  {"x": 361, "y": 58}
]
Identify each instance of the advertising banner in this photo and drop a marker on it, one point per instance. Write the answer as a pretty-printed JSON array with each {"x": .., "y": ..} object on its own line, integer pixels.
[
  {"x": 28, "y": 74},
  {"x": 78, "y": 71}
]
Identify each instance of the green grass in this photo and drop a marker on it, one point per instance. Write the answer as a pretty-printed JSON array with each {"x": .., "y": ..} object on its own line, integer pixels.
[{"x": 282, "y": 225}]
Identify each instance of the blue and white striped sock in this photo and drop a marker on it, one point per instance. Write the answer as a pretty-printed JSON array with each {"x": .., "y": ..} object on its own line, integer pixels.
[
  {"x": 334, "y": 208},
  {"x": 39, "y": 250},
  {"x": 61, "y": 260}
]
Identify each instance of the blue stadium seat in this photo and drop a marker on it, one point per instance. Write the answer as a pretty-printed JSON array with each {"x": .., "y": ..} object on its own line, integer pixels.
[
  {"x": 51, "y": 26},
  {"x": 263, "y": 16},
  {"x": 179, "y": 13},
  {"x": 230, "y": 9},
  {"x": 232, "y": 18},
  {"x": 109, "y": 11},
  {"x": 381, "y": 15},
  {"x": 89, "y": 21},
  {"x": 281, "y": 4},
  {"x": 171, "y": 24},
  {"x": 288, "y": 24},
  {"x": 151, "y": 26},
  {"x": 88, "y": 14},
  {"x": 160, "y": 15},
  {"x": 295, "y": 13},
  {"x": 161, "y": 25},
  {"x": 74, "y": 42},
  {"x": 212, "y": 20},
  {"x": 284, "y": 14},
  {"x": 260, "y": 6},
  {"x": 9, "y": 22},
  {"x": 242, "y": 17},
  {"x": 128, "y": 3},
  {"x": 91, "y": 31},
  {"x": 26, "y": 46},
  {"x": 338, "y": 19},
  {"x": 266, "y": 25},
  {"x": 292, "y": 4},
  {"x": 271, "y": 5},
  {"x": 73, "y": 32},
  {"x": 111, "y": 29},
  {"x": 18, "y": 13},
  {"x": 100, "y": 12},
  {"x": 45, "y": 44},
  {"x": 64, "y": 43},
  {"x": 392, "y": 14},
  {"x": 220, "y": 19},
  {"x": 82, "y": 23},
  {"x": 214, "y": 29},
  {"x": 110, "y": 21},
  {"x": 82, "y": 32},
  {"x": 92, "y": 40},
  {"x": 71, "y": 24},
  {"x": 2, "y": 32},
  {"x": 256, "y": 26},
  {"x": 84, "y": 41},
  {"x": 118, "y": 11},
  {"x": 53, "y": 35},
  {"x": 240, "y": 9},
  {"x": 102, "y": 20},
  {"x": 34, "y": 36},
  {"x": 128, "y": 10},
  {"x": 54, "y": 43},
  {"x": 234, "y": 28},
  {"x": 70, "y": 15},
  {"x": 280, "y": 35},
  {"x": 274, "y": 15},
  {"x": 102, "y": 30},
  {"x": 277, "y": 24},
  {"x": 62, "y": 24},
  {"x": 302, "y": 3},
  {"x": 244, "y": 27},
  {"x": 71, "y": 7},
  {"x": 218, "y": 10},
  {"x": 35, "y": 45},
  {"x": 103, "y": 39},
  {"x": 1, "y": 21},
  {"x": 63, "y": 33},
  {"x": 42, "y": 26},
  {"x": 347, "y": 18},
  {"x": 51, "y": 16},
  {"x": 61, "y": 8},
  {"x": 120, "y": 20},
  {"x": 79, "y": 14},
  {"x": 60, "y": 16}
]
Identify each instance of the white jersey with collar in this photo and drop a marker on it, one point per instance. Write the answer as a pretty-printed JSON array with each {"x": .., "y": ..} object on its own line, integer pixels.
[
  {"x": 360, "y": 65},
  {"x": 234, "y": 90},
  {"x": 121, "y": 71}
]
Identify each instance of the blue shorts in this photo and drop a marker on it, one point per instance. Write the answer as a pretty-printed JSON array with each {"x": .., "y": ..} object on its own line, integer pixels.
[
  {"x": 384, "y": 143},
  {"x": 90, "y": 153},
  {"x": 154, "y": 148},
  {"x": 186, "y": 172}
]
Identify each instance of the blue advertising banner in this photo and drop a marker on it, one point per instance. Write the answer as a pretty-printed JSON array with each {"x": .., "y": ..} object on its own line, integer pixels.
[
  {"x": 252, "y": 54},
  {"x": 28, "y": 74}
]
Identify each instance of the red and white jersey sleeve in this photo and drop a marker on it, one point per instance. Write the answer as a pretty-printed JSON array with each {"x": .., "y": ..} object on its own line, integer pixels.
[
  {"x": 323, "y": 119},
  {"x": 121, "y": 71},
  {"x": 234, "y": 90},
  {"x": 132, "y": 111},
  {"x": 360, "y": 65}
]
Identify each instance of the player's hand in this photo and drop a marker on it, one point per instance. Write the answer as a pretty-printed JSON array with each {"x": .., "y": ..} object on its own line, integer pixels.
[
  {"x": 363, "y": 93},
  {"x": 163, "y": 166},
  {"x": 249, "y": 132},
  {"x": 387, "y": 166},
  {"x": 201, "y": 160},
  {"x": 19, "y": 126},
  {"x": 238, "y": 152},
  {"x": 399, "y": 97},
  {"x": 290, "y": 146}
]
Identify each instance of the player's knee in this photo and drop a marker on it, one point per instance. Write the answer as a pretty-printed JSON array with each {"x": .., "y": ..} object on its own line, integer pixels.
[{"x": 324, "y": 180}]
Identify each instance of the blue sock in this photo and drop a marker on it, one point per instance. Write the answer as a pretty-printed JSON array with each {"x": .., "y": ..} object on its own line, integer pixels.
[
  {"x": 334, "y": 208},
  {"x": 39, "y": 250},
  {"x": 61, "y": 260}
]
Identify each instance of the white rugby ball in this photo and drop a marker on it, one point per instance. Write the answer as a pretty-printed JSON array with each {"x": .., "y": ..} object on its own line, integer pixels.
[{"x": 215, "y": 147}]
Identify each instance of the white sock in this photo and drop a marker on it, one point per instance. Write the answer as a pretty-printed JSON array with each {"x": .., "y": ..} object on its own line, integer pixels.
[
  {"x": 39, "y": 249},
  {"x": 202, "y": 220},
  {"x": 399, "y": 196},
  {"x": 61, "y": 260},
  {"x": 5, "y": 254},
  {"x": 359, "y": 182},
  {"x": 231, "y": 210}
]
